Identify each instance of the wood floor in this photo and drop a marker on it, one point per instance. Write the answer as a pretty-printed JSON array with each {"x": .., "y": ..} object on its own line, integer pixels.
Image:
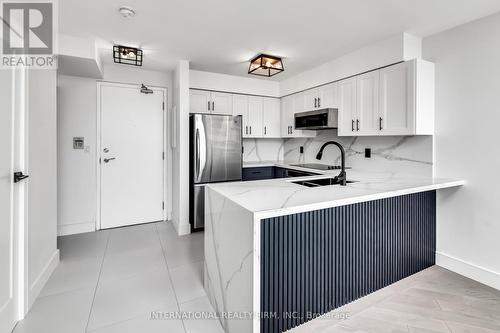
[{"x": 434, "y": 300}]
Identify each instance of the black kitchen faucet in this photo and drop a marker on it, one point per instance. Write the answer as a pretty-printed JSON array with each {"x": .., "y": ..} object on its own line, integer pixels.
[{"x": 341, "y": 178}]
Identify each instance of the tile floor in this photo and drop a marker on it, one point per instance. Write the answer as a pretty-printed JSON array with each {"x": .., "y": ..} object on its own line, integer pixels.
[{"x": 110, "y": 281}]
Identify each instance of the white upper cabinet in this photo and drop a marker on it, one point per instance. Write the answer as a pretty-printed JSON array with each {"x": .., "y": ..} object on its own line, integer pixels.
[
  {"x": 287, "y": 116},
  {"x": 299, "y": 103},
  {"x": 347, "y": 107},
  {"x": 240, "y": 108},
  {"x": 395, "y": 100},
  {"x": 310, "y": 99},
  {"x": 271, "y": 119},
  {"x": 261, "y": 116},
  {"x": 255, "y": 116},
  {"x": 202, "y": 101},
  {"x": 222, "y": 103},
  {"x": 407, "y": 99},
  {"x": 289, "y": 106},
  {"x": 199, "y": 101},
  {"x": 321, "y": 98},
  {"x": 328, "y": 96},
  {"x": 367, "y": 107}
]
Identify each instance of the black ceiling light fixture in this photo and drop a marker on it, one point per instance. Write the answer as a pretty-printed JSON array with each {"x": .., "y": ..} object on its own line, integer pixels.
[
  {"x": 127, "y": 55},
  {"x": 265, "y": 65}
]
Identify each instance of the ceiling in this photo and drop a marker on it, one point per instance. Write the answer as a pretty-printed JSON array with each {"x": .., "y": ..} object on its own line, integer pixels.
[{"x": 222, "y": 35}]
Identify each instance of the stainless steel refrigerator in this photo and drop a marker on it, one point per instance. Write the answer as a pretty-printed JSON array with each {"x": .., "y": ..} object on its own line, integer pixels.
[{"x": 215, "y": 156}]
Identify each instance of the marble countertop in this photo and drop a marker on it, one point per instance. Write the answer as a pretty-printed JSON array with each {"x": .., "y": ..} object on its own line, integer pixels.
[{"x": 276, "y": 197}]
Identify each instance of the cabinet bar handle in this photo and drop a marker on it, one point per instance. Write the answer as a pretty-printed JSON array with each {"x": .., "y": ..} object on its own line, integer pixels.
[
  {"x": 250, "y": 130},
  {"x": 213, "y": 106},
  {"x": 357, "y": 125},
  {"x": 265, "y": 130},
  {"x": 315, "y": 102},
  {"x": 246, "y": 129},
  {"x": 319, "y": 102},
  {"x": 208, "y": 105},
  {"x": 352, "y": 125},
  {"x": 380, "y": 123}
]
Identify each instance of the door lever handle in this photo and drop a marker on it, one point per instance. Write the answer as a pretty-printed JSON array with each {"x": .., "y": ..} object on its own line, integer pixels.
[
  {"x": 18, "y": 176},
  {"x": 106, "y": 160}
]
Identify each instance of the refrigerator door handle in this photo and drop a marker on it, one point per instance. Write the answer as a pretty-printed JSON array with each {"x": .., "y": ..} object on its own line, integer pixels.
[
  {"x": 202, "y": 153},
  {"x": 197, "y": 162}
]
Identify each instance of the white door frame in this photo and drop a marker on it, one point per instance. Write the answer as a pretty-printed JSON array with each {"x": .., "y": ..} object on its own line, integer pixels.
[
  {"x": 19, "y": 191},
  {"x": 167, "y": 170}
]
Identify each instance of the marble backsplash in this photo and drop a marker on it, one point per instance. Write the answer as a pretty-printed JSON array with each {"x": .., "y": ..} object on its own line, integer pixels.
[
  {"x": 258, "y": 150},
  {"x": 390, "y": 155}
]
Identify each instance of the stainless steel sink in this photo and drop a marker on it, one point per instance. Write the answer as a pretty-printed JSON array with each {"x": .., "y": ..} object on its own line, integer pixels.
[{"x": 321, "y": 182}]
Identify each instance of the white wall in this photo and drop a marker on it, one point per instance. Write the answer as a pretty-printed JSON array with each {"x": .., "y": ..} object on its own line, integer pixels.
[
  {"x": 180, "y": 153},
  {"x": 466, "y": 146},
  {"x": 78, "y": 56},
  {"x": 231, "y": 83},
  {"x": 77, "y": 101},
  {"x": 43, "y": 255},
  {"x": 76, "y": 168},
  {"x": 397, "y": 48}
]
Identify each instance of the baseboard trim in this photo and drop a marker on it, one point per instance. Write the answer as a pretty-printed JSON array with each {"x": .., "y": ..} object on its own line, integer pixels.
[
  {"x": 75, "y": 228},
  {"x": 484, "y": 275},
  {"x": 182, "y": 229},
  {"x": 42, "y": 278}
]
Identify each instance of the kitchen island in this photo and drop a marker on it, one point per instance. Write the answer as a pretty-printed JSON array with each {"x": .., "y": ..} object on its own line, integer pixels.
[{"x": 278, "y": 253}]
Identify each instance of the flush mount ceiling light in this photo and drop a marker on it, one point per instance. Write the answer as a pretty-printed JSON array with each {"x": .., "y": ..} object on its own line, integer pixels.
[
  {"x": 127, "y": 55},
  {"x": 265, "y": 65},
  {"x": 126, "y": 11}
]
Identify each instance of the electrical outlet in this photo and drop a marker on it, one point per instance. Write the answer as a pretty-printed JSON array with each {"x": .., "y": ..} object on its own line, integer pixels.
[{"x": 368, "y": 152}]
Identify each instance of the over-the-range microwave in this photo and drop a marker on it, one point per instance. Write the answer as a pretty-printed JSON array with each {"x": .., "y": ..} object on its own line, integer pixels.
[{"x": 317, "y": 120}]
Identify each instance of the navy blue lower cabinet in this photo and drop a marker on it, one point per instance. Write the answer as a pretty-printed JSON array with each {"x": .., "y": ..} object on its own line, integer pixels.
[
  {"x": 317, "y": 261},
  {"x": 257, "y": 173}
]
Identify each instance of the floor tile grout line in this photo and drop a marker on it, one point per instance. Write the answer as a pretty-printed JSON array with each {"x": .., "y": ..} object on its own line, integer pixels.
[
  {"x": 169, "y": 276},
  {"x": 97, "y": 284},
  {"x": 194, "y": 299},
  {"x": 59, "y": 293},
  {"x": 114, "y": 323},
  {"x": 186, "y": 264}
]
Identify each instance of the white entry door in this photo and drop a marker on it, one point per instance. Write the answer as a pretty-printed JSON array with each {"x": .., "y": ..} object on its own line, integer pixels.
[
  {"x": 8, "y": 276},
  {"x": 131, "y": 155}
]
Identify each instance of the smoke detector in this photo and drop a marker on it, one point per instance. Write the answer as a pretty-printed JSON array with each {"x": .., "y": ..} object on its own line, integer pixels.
[{"x": 126, "y": 12}]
